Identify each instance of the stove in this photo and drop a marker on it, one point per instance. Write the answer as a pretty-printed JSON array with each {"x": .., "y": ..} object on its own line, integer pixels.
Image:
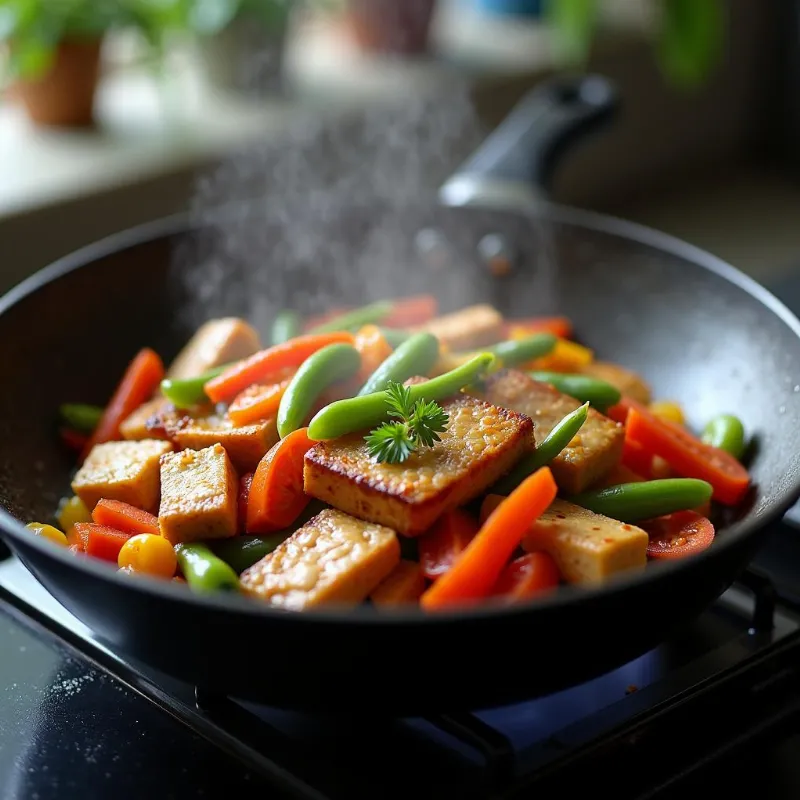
[{"x": 719, "y": 702}]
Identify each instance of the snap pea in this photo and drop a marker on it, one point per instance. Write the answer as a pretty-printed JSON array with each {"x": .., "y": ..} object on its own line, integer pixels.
[
  {"x": 395, "y": 337},
  {"x": 519, "y": 351},
  {"x": 414, "y": 357},
  {"x": 630, "y": 502},
  {"x": 81, "y": 417},
  {"x": 362, "y": 413},
  {"x": 204, "y": 572},
  {"x": 190, "y": 392},
  {"x": 374, "y": 312},
  {"x": 558, "y": 438},
  {"x": 242, "y": 552},
  {"x": 727, "y": 433},
  {"x": 285, "y": 326},
  {"x": 333, "y": 363},
  {"x": 588, "y": 390}
]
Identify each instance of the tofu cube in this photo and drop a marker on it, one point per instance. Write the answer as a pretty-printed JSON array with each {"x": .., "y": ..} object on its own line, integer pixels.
[
  {"x": 144, "y": 423},
  {"x": 126, "y": 471},
  {"x": 589, "y": 548},
  {"x": 333, "y": 558},
  {"x": 481, "y": 443},
  {"x": 592, "y": 453},
  {"x": 199, "y": 495},
  {"x": 468, "y": 328},
  {"x": 404, "y": 585},
  {"x": 628, "y": 382},
  {"x": 218, "y": 342}
]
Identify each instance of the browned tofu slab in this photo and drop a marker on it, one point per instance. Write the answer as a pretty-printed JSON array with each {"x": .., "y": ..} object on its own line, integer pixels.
[
  {"x": 589, "y": 548},
  {"x": 468, "y": 328},
  {"x": 126, "y": 471},
  {"x": 333, "y": 558},
  {"x": 199, "y": 495},
  {"x": 218, "y": 342},
  {"x": 404, "y": 585},
  {"x": 629, "y": 383},
  {"x": 481, "y": 443},
  {"x": 144, "y": 423},
  {"x": 590, "y": 455}
]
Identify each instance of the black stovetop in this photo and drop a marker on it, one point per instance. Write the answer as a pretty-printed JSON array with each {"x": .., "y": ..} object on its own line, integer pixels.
[{"x": 720, "y": 702}]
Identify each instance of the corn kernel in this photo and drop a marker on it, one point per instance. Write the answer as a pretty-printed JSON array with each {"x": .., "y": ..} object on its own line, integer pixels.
[
  {"x": 71, "y": 510},
  {"x": 566, "y": 356},
  {"x": 48, "y": 532},
  {"x": 668, "y": 410}
]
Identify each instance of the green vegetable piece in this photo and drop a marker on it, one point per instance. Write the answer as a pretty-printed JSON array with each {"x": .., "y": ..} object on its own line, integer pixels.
[
  {"x": 360, "y": 413},
  {"x": 205, "y": 572},
  {"x": 588, "y": 390},
  {"x": 333, "y": 363},
  {"x": 190, "y": 391},
  {"x": 519, "y": 351},
  {"x": 285, "y": 326},
  {"x": 415, "y": 356},
  {"x": 374, "y": 312},
  {"x": 80, "y": 417},
  {"x": 242, "y": 552},
  {"x": 395, "y": 337},
  {"x": 558, "y": 438},
  {"x": 727, "y": 433},
  {"x": 631, "y": 502}
]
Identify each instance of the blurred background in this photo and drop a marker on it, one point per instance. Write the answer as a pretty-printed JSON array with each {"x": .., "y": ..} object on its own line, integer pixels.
[{"x": 119, "y": 112}]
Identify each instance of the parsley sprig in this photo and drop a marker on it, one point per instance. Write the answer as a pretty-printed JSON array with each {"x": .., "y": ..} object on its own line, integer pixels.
[{"x": 419, "y": 423}]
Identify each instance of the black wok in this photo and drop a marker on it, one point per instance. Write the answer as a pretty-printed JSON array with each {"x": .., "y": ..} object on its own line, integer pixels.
[{"x": 701, "y": 332}]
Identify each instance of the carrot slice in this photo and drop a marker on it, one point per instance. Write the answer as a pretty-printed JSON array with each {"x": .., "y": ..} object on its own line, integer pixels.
[
  {"x": 558, "y": 326},
  {"x": 257, "y": 402},
  {"x": 140, "y": 381},
  {"x": 527, "y": 576},
  {"x": 478, "y": 568},
  {"x": 689, "y": 456},
  {"x": 101, "y": 541},
  {"x": 373, "y": 349},
  {"x": 262, "y": 366},
  {"x": 244, "y": 497},
  {"x": 124, "y": 517},
  {"x": 408, "y": 311},
  {"x": 439, "y": 547},
  {"x": 404, "y": 585},
  {"x": 276, "y": 497}
]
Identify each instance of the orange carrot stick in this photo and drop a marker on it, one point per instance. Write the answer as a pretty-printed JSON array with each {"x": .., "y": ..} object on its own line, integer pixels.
[
  {"x": 124, "y": 517},
  {"x": 141, "y": 379},
  {"x": 262, "y": 366},
  {"x": 409, "y": 311},
  {"x": 257, "y": 402},
  {"x": 479, "y": 566}
]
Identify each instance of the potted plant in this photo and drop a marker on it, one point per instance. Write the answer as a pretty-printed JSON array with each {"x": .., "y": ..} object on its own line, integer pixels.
[{"x": 53, "y": 50}]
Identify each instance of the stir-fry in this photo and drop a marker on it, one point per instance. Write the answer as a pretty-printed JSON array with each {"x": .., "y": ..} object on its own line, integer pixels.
[{"x": 390, "y": 455}]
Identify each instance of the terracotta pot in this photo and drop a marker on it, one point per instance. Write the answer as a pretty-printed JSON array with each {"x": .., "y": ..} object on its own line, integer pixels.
[
  {"x": 391, "y": 26},
  {"x": 65, "y": 95}
]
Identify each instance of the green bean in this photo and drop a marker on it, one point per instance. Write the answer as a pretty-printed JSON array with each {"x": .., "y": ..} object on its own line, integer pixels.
[
  {"x": 519, "y": 351},
  {"x": 80, "y": 417},
  {"x": 242, "y": 552},
  {"x": 727, "y": 433},
  {"x": 374, "y": 312},
  {"x": 285, "y": 326},
  {"x": 630, "y": 502},
  {"x": 588, "y": 390},
  {"x": 204, "y": 572},
  {"x": 395, "y": 337},
  {"x": 558, "y": 438},
  {"x": 333, "y": 363},
  {"x": 363, "y": 413},
  {"x": 414, "y": 357},
  {"x": 190, "y": 391}
]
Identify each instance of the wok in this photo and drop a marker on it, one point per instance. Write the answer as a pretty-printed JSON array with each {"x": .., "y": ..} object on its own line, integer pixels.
[{"x": 701, "y": 332}]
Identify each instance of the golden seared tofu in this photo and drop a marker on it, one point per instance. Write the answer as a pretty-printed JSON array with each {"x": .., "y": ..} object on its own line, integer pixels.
[
  {"x": 481, "y": 443},
  {"x": 246, "y": 445},
  {"x": 589, "y": 456},
  {"x": 588, "y": 548},
  {"x": 468, "y": 328},
  {"x": 144, "y": 423},
  {"x": 333, "y": 558},
  {"x": 629, "y": 383},
  {"x": 199, "y": 495},
  {"x": 217, "y": 342},
  {"x": 126, "y": 471},
  {"x": 404, "y": 585}
]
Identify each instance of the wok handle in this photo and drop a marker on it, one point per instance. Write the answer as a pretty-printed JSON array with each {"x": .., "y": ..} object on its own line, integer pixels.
[{"x": 517, "y": 161}]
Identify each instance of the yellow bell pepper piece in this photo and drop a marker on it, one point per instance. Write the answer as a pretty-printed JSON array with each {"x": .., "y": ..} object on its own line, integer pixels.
[
  {"x": 668, "y": 410},
  {"x": 566, "y": 357},
  {"x": 71, "y": 511},
  {"x": 48, "y": 532}
]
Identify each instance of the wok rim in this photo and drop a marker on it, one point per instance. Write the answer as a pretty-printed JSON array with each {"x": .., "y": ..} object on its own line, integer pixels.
[{"x": 567, "y": 596}]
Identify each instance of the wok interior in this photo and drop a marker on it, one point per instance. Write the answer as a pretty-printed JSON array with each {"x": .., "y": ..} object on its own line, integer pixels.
[{"x": 696, "y": 337}]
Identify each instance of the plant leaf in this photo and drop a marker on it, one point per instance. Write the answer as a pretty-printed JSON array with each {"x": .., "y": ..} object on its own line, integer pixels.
[
  {"x": 390, "y": 443},
  {"x": 691, "y": 39},
  {"x": 572, "y": 22}
]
